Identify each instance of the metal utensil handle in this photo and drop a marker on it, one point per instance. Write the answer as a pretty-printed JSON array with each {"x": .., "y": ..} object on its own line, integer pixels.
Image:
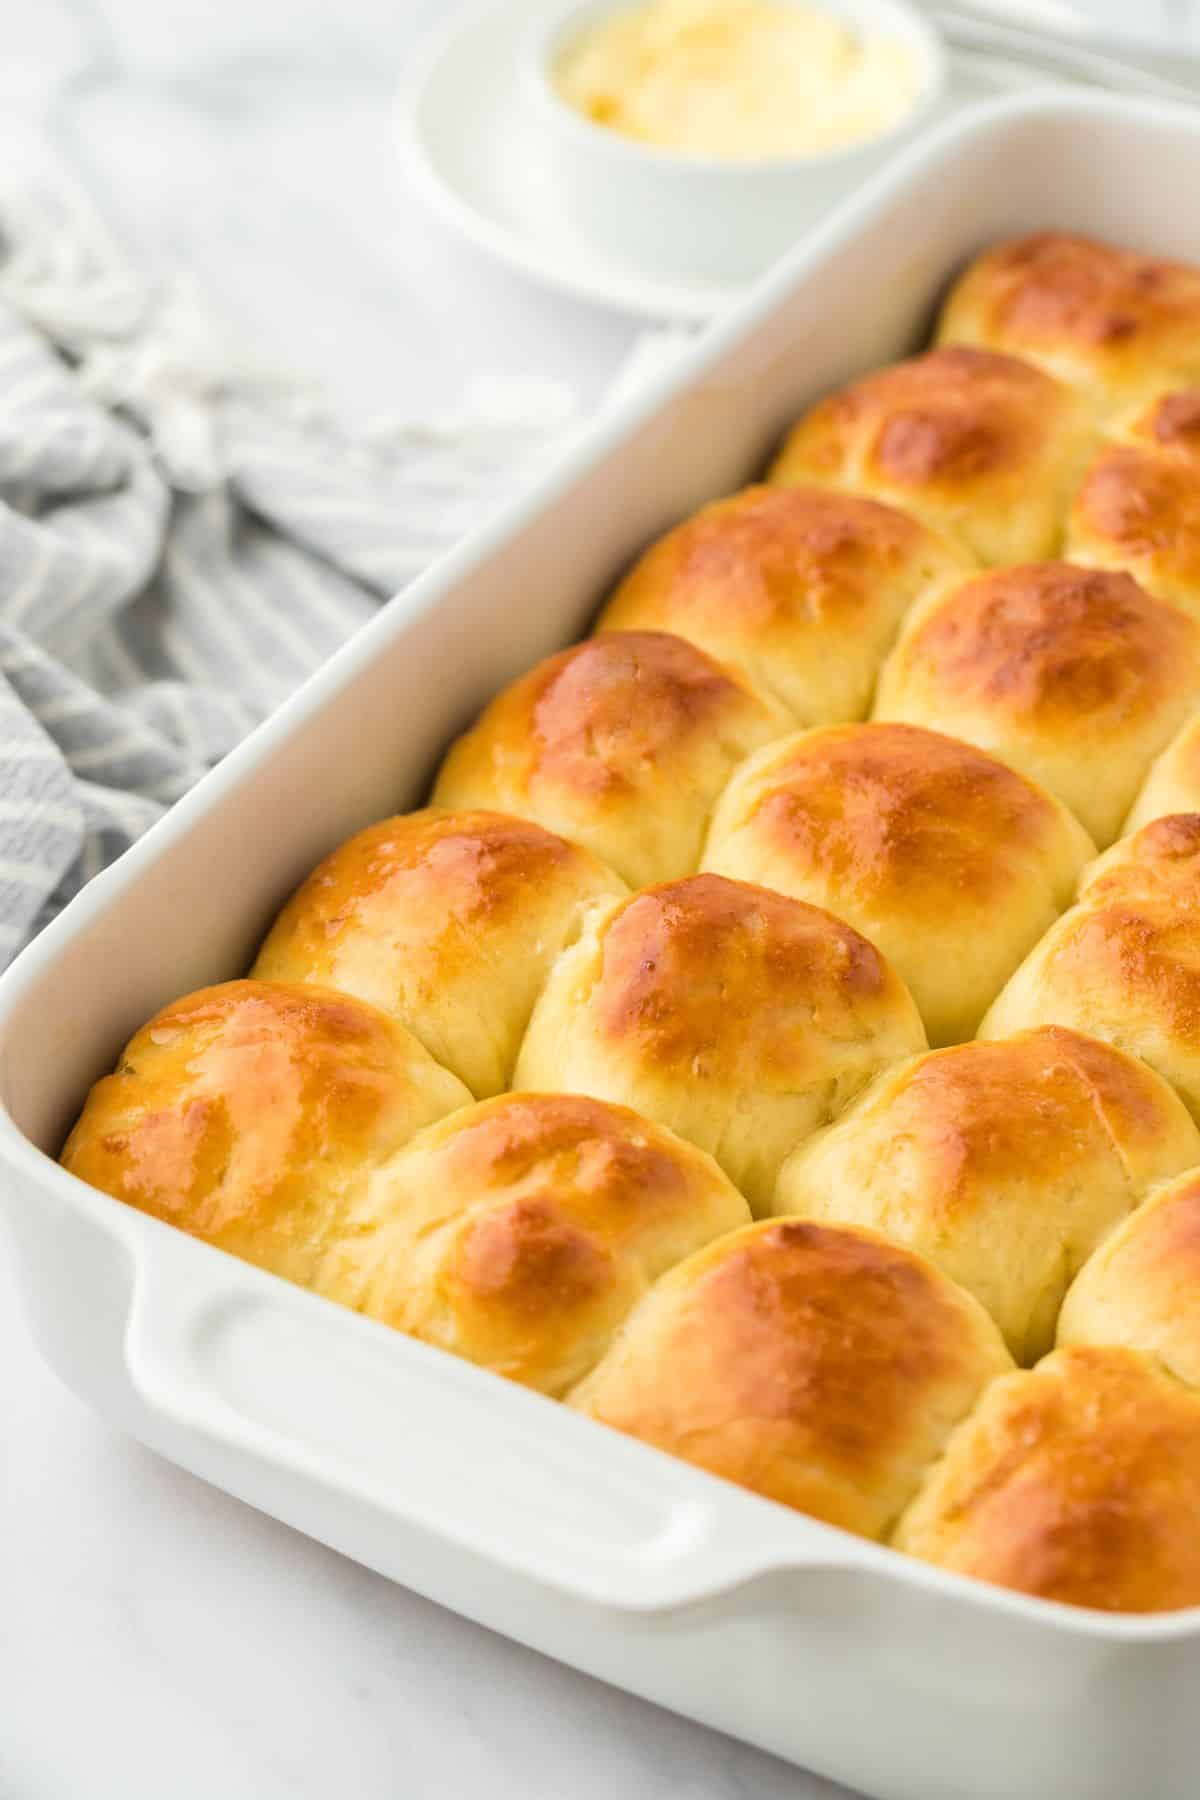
[{"x": 1125, "y": 67}]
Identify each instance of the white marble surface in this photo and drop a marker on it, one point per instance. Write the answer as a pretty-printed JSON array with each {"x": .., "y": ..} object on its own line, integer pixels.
[
  {"x": 159, "y": 1641},
  {"x": 249, "y": 141}
]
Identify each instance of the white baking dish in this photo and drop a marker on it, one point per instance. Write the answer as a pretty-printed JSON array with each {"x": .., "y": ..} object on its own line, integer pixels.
[{"x": 891, "y": 1676}]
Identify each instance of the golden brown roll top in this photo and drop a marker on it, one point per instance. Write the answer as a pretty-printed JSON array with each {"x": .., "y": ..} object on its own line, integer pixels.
[
  {"x": 520, "y": 1232},
  {"x": 799, "y": 588},
  {"x": 250, "y": 1115},
  {"x": 946, "y": 859},
  {"x": 621, "y": 744},
  {"x": 1173, "y": 782},
  {"x": 1142, "y": 1286},
  {"x": 738, "y": 1017},
  {"x": 1002, "y": 1163},
  {"x": 985, "y": 448},
  {"x": 1076, "y": 677},
  {"x": 1077, "y": 1481},
  {"x": 449, "y": 922},
  {"x": 822, "y": 1367},
  {"x": 1138, "y": 505},
  {"x": 1124, "y": 962},
  {"x": 1162, "y": 861},
  {"x": 285, "y": 1124},
  {"x": 1115, "y": 323}
]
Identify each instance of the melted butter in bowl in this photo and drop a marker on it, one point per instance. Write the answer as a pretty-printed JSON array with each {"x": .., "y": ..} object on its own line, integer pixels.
[
  {"x": 703, "y": 138},
  {"x": 742, "y": 80}
]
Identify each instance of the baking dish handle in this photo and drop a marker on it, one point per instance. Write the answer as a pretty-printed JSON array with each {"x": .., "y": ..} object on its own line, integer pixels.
[{"x": 421, "y": 1437}]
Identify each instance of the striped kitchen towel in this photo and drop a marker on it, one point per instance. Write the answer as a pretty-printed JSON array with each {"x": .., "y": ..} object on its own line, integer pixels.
[{"x": 183, "y": 537}]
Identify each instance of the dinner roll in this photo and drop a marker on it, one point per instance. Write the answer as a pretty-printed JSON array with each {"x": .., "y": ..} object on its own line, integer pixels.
[
  {"x": 522, "y": 1234},
  {"x": 447, "y": 921},
  {"x": 821, "y": 1366},
  {"x": 1076, "y": 1481},
  {"x": 251, "y": 1114},
  {"x": 1114, "y": 323},
  {"x": 740, "y": 1018},
  {"x": 1138, "y": 505},
  {"x": 1074, "y": 676},
  {"x": 950, "y": 862},
  {"x": 1124, "y": 962},
  {"x": 1173, "y": 783},
  {"x": 1142, "y": 1286},
  {"x": 621, "y": 743},
  {"x": 987, "y": 449},
  {"x": 799, "y": 588},
  {"x": 1004, "y": 1163}
]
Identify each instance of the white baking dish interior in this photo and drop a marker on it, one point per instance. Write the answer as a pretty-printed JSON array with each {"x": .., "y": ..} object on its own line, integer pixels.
[{"x": 904, "y": 1681}]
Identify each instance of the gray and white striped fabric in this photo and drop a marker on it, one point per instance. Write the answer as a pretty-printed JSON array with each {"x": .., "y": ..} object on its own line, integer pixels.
[{"x": 182, "y": 540}]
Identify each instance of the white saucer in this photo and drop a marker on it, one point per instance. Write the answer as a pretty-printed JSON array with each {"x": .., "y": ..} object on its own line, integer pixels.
[{"x": 462, "y": 139}]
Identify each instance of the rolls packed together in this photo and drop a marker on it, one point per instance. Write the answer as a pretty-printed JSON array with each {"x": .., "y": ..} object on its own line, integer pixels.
[{"x": 778, "y": 1038}]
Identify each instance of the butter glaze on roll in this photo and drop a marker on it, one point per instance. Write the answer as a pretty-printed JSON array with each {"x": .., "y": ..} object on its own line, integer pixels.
[
  {"x": 520, "y": 1232},
  {"x": 1076, "y": 677},
  {"x": 946, "y": 859},
  {"x": 823, "y": 1367},
  {"x": 447, "y": 921},
  {"x": 1142, "y": 1286},
  {"x": 801, "y": 589},
  {"x": 1003, "y": 1163},
  {"x": 1077, "y": 1481},
  {"x": 621, "y": 744},
  {"x": 738, "y": 1017},
  {"x": 985, "y": 448},
  {"x": 250, "y": 1115},
  {"x": 1124, "y": 962},
  {"x": 1138, "y": 506},
  {"x": 1115, "y": 323}
]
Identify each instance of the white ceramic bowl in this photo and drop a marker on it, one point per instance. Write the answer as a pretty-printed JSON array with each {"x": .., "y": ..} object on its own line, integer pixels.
[{"x": 701, "y": 216}]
